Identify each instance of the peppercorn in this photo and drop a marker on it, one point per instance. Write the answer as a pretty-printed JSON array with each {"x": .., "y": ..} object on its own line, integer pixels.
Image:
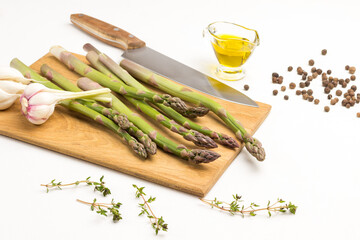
[
  {"x": 348, "y": 105},
  {"x": 326, "y": 108},
  {"x": 311, "y": 62},
  {"x": 303, "y": 92},
  {"x": 310, "y": 98},
  {"x": 347, "y": 80},
  {"x": 310, "y": 92},
  {"x": 298, "y": 92},
  {"x": 347, "y": 67},
  {"x": 310, "y": 78},
  {"x": 280, "y": 79},
  {"x": 324, "y": 52},
  {"x": 302, "y": 84},
  {"x": 292, "y": 85},
  {"x": 314, "y": 75},
  {"x": 344, "y": 85},
  {"x": 286, "y": 97},
  {"x": 305, "y": 96},
  {"x": 305, "y": 73},
  {"x": 333, "y": 101},
  {"x": 330, "y": 85},
  {"x": 353, "y": 87},
  {"x": 325, "y": 83},
  {"x": 303, "y": 77},
  {"x": 358, "y": 114},
  {"x": 338, "y": 92},
  {"x": 313, "y": 69},
  {"x": 290, "y": 68},
  {"x": 275, "y": 92},
  {"x": 299, "y": 70},
  {"x": 328, "y": 72},
  {"x": 329, "y": 96},
  {"x": 307, "y": 83},
  {"x": 341, "y": 81},
  {"x": 344, "y": 102},
  {"x": 274, "y": 74},
  {"x": 246, "y": 87},
  {"x": 327, "y": 90},
  {"x": 352, "y": 70},
  {"x": 283, "y": 88},
  {"x": 319, "y": 71},
  {"x": 316, "y": 101},
  {"x": 352, "y": 77}
]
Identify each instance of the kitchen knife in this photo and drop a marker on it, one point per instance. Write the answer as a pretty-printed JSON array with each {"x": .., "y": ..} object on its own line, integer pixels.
[{"x": 137, "y": 51}]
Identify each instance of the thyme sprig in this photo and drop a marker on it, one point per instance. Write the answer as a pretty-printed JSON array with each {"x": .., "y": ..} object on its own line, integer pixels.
[
  {"x": 112, "y": 208},
  {"x": 99, "y": 186},
  {"x": 235, "y": 207},
  {"x": 157, "y": 223}
]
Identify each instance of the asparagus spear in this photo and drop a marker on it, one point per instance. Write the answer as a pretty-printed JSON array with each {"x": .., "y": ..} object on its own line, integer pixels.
[
  {"x": 74, "y": 105},
  {"x": 95, "y": 55},
  {"x": 192, "y": 155},
  {"x": 81, "y": 68},
  {"x": 191, "y": 135},
  {"x": 120, "y": 119},
  {"x": 252, "y": 144}
]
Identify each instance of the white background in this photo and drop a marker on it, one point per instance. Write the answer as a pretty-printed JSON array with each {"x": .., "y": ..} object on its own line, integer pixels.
[{"x": 312, "y": 156}]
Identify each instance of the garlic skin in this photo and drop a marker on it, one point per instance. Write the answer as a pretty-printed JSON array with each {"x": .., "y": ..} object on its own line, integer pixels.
[
  {"x": 9, "y": 93},
  {"x": 38, "y": 102},
  {"x": 11, "y": 74}
]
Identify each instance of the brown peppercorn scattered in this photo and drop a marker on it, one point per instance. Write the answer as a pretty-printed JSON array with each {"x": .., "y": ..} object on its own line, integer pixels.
[
  {"x": 327, "y": 90},
  {"x": 328, "y": 72},
  {"x": 281, "y": 78},
  {"x": 319, "y": 71},
  {"x": 325, "y": 83},
  {"x": 333, "y": 101},
  {"x": 323, "y": 52},
  {"x": 302, "y": 84},
  {"x": 330, "y": 85},
  {"x": 310, "y": 78},
  {"x": 352, "y": 70},
  {"x": 275, "y": 92},
  {"x": 347, "y": 67},
  {"x": 354, "y": 88},
  {"x": 358, "y": 114},
  {"x": 352, "y": 77},
  {"x": 329, "y": 96},
  {"x": 314, "y": 75},
  {"x": 274, "y": 74},
  {"x": 344, "y": 85},
  {"x": 298, "y": 92},
  {"x": 326, "y": 108},
  {"x": 305, "y": 96},
  {"x": 246, "y": 87},
  {"x": 292, "y": 85},
  {"x": 303, "y": 77},
  {"x": 290, "y": 68},
  {"x": 347, "y": 80},
  {"x": 338, "y": 92},
  {"x": 286, "y": 97},
  {"x": 299, "y": 71},
  {"x": 316, "y": 101},
  {"x": 348, "y": 105},
  {"x": 303, "y": 92},
  {"x": 310, "y": 92},
  {"x": 310, "y": 98},
  {"x": 311, "y": 62},
  {"x": 313, "y": 69},
  {"x": 283, "y": 88},
  {"x": 307, "y": 83}
]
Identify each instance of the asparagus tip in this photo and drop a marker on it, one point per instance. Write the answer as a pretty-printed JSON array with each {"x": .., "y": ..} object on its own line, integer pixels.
[
  {"x": 202, "y": 156},
  {"x": 228, "y": 141},
  {"x": 255, "y": 148},
  {"x": 201, "y": 140}
]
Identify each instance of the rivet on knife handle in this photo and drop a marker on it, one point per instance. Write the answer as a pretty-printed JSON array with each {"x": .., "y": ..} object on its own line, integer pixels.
[{"x": 106, "y": 32}]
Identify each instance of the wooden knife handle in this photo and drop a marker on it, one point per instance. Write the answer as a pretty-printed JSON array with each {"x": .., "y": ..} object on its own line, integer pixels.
[{"x": 106, "y": 32}]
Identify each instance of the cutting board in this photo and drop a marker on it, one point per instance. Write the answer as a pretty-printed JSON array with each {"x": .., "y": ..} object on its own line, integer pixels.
[{"x": 72, "y": 134}]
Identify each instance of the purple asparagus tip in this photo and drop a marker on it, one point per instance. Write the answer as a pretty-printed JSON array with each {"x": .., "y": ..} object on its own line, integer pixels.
[{"x": 202, "y": 156}]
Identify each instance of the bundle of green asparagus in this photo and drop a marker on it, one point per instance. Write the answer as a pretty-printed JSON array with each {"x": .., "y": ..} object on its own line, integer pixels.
[{"x": 113, "y": 76}]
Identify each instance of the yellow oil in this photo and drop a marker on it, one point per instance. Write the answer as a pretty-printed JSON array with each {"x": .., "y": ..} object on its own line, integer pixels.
[{"x": 232, "y": 51}]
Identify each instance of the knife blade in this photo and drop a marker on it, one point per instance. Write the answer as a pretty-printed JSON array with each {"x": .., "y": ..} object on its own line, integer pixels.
[{"x": 137, "y": 51}]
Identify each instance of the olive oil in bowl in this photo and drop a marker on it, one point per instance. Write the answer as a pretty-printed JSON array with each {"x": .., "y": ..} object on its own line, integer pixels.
[{"x": 233, "y": 45}]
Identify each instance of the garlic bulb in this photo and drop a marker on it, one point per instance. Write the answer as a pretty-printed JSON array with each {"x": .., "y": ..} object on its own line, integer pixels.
[
  {"x": 9, "y": 93},
  {"x": 38, "y": 102},
  {"x": 11, "y": 74}
]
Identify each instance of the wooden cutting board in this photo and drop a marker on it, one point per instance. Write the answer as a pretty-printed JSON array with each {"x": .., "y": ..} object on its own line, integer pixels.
[{"x": 74, "y": 135}]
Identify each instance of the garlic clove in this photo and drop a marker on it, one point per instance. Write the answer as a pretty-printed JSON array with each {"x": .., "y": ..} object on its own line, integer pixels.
[
  {"x": 7, "y": 99},
  {"x": 12, "y": 87},
  {"x": 40, "y": 113},
  {"x": 11, "y": 74}
]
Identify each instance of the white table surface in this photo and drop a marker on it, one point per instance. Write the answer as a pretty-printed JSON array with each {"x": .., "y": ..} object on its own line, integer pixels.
[{"x": 312, "y": 156}]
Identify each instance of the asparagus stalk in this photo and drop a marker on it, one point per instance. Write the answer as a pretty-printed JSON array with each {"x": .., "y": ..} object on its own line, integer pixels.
[
  {"x": 192, "y": 155},
  {"x": 191, "y": 135},
  {"x": 95, "y": 55},
  {"x": 81, "y": 68},
  {"x": 252, "y": 144},
  {"x": 120, "y": 119},
  {"x": 74, "y": 105}
]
